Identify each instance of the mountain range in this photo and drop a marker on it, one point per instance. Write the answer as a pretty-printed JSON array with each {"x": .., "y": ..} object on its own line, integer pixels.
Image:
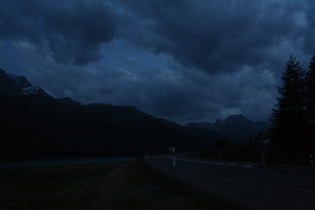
[
  {"x": 235, "y": 128},
  {"x": 35, "y": 124},
  {"x": 18, "y": 85}
]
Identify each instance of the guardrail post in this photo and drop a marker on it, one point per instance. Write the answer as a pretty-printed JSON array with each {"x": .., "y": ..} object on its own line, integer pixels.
[
  {"x": 174, "y": 159},
  {"x": 172, "y": 149},
  {"x": 263, "y": 159}
]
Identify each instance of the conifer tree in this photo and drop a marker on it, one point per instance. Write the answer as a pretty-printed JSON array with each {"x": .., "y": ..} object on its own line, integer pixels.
[
  {"x": 310, "y": 91},
  {"x": 290, "y": 107},
  {"x": 289, "y": 114}
]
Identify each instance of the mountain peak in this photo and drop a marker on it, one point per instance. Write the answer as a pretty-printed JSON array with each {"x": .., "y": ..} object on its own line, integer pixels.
[
  {"x": 18, "y": 85},
  {"x": 20, "y": 81},
  {"x": 235, "y": 128},
  {"x": 236, "y": 118},
  {"x": 68, "y": 100}
]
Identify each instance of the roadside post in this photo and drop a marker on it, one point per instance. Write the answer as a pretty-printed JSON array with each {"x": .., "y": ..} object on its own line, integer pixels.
[
  {"x": 260, "y": 137},
  {"x": 145, "y": 155},
  {"x": 263, "y": 159},
  {"x": 172, "y": 149},
  {"x": 263, "y": 156},
  {"x": 311, "y": 158}
]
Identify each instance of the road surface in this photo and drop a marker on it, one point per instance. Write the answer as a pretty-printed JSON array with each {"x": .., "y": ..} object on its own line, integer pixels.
[{"x": 246, "y": 183}]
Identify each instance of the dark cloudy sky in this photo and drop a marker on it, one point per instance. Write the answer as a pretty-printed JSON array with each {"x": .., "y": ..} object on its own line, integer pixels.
[{"x": 183, "y": 60}]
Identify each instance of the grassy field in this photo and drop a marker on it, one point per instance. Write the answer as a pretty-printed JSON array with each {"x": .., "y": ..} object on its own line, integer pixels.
[{"x": 129, "y": 185}]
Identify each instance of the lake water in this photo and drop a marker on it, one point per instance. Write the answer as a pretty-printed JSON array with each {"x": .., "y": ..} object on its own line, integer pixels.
[{"x": 17, "y": 163}]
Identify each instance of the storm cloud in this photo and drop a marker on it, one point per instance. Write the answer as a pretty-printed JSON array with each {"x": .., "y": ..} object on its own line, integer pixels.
[
  {"x": 71, "y": 31},
  {"x": 181, "y": 60},
  {"x": 217, "y": 36}
]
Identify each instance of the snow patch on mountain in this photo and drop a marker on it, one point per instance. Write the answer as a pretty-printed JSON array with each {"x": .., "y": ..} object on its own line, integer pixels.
[
  {"x": 19, "y": 81},
  {"x": 31, "y": 90}
]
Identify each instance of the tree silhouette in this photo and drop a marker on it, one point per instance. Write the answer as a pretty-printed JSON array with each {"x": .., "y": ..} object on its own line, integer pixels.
[
  {"x": 290, "y": 107},
  {"x": 310, "y": 91},
  {"x": 289, "y": 114}
]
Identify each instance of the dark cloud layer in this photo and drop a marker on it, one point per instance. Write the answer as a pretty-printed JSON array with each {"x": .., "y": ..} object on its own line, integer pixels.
[
  {"x": 182, "y": 60},
  {"x": 71, "y": 30},
  {"x": 217, "y": 36},
  {"x": 198, "y": 34}
]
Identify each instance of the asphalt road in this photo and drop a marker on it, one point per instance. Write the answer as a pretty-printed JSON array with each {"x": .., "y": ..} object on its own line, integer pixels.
[{"x": 246, "y": 183}]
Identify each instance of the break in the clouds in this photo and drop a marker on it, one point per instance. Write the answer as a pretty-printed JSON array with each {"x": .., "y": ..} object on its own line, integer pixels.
[{"x": 181, "y": 60}]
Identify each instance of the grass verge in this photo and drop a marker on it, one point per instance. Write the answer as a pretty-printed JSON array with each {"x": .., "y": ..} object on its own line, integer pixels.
[{"x": 130, "y": 185}]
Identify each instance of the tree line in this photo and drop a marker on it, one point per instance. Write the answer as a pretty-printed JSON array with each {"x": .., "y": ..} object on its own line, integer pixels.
[{"x": 293, "y": 117}]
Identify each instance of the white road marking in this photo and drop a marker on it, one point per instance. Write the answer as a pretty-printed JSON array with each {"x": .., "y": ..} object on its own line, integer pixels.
[
  {"x": 263, "y": 182},
  {"x": 248, "y": 179},
  {"x": 217, "y": 163}
]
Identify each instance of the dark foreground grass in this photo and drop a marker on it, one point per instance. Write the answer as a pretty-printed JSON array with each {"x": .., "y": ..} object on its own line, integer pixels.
[{"x": 130, "y": 185}]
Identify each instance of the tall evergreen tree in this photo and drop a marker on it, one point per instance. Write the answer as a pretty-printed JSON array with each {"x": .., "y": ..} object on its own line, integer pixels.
[
  {"x": 289, "y": 116},
  {"x": 290, "y": 107},
  {"x": 310, "y": 91}
]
